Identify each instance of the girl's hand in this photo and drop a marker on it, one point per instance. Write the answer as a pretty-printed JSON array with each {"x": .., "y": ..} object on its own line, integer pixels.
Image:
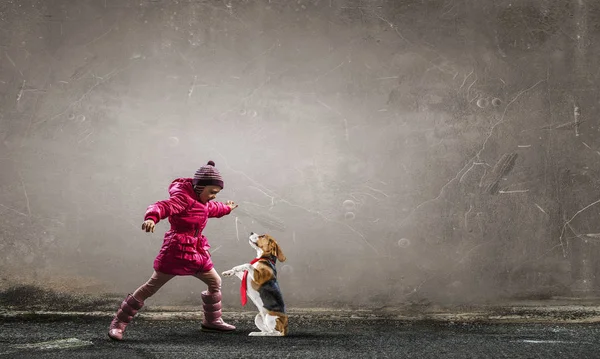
[
  {"x": 231, "y": 205},
  {"x": 148, "y": 225}
]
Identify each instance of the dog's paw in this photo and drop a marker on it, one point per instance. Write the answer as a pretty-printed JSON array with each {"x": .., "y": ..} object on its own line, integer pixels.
[{"x": 228, "y": 273}]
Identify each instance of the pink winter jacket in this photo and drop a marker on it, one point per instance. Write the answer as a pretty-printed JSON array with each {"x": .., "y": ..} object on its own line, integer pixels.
[{"x": 185, "y": 249}]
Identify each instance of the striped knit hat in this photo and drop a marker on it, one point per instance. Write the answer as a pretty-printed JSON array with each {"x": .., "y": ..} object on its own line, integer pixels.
[{"x": 208, "y": 175}]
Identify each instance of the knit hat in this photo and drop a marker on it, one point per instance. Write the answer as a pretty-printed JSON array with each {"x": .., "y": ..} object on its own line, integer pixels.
[{"x": 208, "y": 175}]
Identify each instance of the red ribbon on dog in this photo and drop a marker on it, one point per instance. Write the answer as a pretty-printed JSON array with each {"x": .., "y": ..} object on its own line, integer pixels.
[{"x": 245, "y": 281}]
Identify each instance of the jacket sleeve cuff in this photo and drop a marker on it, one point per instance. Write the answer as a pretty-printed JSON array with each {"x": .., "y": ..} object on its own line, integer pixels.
[{"x": 152, "y": 217}]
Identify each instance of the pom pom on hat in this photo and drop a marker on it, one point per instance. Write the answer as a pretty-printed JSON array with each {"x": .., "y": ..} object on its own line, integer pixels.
[{"x": 208, "y": 175}]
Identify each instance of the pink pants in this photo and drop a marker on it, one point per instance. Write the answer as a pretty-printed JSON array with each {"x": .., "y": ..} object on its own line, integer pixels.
[{"x": 158, "y": 279}]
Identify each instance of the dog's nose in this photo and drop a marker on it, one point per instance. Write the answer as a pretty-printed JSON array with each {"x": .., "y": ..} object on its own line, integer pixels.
[{"x": 251, "y": 233}]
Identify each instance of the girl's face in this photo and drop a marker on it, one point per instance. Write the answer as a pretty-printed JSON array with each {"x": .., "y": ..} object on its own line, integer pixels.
[{"x": 208, "y": 193}]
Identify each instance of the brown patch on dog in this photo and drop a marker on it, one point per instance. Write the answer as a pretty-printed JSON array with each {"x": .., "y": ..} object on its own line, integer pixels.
[
  {"x": 281, "y": 323},
  {"x": 262, "y": 274}
]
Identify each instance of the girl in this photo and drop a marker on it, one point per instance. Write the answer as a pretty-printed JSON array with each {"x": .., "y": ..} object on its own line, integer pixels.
[{"x": 185, "y": 249}]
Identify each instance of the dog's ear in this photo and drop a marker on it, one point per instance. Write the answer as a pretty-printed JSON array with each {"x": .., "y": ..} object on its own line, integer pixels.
[
  {"x": 274, "y": 248},
  {"x": 277, "y": 252}
]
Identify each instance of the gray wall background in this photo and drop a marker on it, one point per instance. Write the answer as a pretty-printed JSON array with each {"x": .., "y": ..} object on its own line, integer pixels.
[{"x": 399, "y": 151}]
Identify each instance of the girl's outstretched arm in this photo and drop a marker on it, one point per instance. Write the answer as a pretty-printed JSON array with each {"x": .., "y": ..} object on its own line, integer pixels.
[
  {"x": 177, "y": 203},
  {"x": 220, "y": 209}
]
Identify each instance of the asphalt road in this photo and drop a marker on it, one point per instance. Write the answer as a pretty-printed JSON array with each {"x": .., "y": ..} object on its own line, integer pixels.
[{"x": 309, "y": 338}]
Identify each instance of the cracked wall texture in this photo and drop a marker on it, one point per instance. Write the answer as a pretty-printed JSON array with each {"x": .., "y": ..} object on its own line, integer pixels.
[{"x": 413, "y": 151}]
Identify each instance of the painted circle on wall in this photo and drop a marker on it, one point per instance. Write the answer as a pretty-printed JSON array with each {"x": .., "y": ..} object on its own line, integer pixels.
[
  {"x": 349, "y": 205},
  {"x": 403, "y": 242},
  {"x": 483, "y": 102},
  {"x": 173, "y": 141}
]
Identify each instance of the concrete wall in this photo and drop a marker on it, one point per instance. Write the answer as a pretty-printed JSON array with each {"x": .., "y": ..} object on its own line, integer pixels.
[{"x": 400, "y": 151}]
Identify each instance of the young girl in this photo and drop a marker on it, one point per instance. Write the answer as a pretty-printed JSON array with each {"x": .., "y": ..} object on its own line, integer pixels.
[{"x": 185, "y": 249}]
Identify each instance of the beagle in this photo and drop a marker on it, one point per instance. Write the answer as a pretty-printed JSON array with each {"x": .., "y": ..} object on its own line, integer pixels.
[{"x": 259, "y": 282}]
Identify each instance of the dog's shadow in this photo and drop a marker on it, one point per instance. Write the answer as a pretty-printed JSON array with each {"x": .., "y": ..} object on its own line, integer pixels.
[
  {"x": 198, "y": 337},
  {"x": 314, "y": 335}
]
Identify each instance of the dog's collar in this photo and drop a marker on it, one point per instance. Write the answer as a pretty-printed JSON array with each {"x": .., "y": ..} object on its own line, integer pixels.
[{"x": 271, "y": 258}]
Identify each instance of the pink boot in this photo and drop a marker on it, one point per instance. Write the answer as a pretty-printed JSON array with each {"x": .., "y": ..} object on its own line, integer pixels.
[
  {"x": 212, "y": 314},
  {"x": 125, "y": 314}
]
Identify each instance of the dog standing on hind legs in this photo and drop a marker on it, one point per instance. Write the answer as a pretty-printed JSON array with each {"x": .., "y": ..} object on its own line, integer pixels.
[{"x": 259, "y": 282}]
